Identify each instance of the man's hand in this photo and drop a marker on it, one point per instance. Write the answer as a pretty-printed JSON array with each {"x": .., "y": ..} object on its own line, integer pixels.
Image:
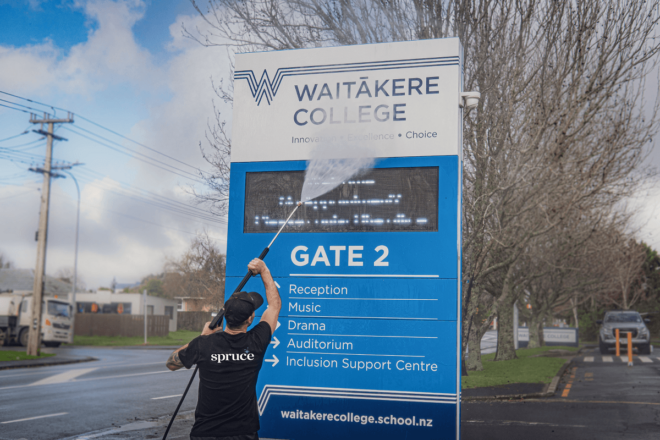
[
  {"x": 257, "y": 266},
  {"x": 208, "y": 331}
]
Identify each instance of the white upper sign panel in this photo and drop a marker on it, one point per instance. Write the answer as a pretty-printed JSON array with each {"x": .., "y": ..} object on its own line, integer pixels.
[{"x": 396, "y": 99}]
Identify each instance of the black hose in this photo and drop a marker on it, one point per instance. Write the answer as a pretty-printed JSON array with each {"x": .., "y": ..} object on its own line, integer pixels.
[{"x": 176, "y": 411}]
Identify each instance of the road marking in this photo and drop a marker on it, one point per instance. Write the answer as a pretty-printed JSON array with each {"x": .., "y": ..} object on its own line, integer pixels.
[
  {"x": 624, "y": 359},
  {"x": 167, "y": 397},
  {"x": 34, "y": 418},
  {"x": 67, "y": 376},
  {"x": 59, "y": 367},
  {"x": 583, "y": 401},
  {"x": 588, "y": 358},
  {"x": 515, "y": 422},
  {"x": 104, "y": 377},
  {"x": 607, "y": 358},
  {"x": 567, "y": 388}
]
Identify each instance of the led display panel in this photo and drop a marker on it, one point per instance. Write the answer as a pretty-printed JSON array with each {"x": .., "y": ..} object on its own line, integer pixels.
[{"x": 381, "y": 200}]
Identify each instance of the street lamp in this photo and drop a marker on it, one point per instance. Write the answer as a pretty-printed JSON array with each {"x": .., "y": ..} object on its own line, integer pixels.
[
  {"x": 75, "y": 264},
  {"x": 75, "y": 260}
]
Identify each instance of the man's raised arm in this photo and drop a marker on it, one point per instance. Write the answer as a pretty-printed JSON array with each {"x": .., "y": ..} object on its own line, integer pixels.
[{"x": 272, "y": 295}]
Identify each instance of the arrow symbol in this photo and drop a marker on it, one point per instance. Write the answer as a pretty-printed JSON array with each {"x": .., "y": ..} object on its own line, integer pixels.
[
  {"x": 278, "y": 325},
  {"x": 275, "y": 341},
  {"x": 274, "y": 360}
]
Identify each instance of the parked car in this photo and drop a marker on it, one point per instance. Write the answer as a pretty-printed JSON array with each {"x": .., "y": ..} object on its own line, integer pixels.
[{"x": 627, "y": 321}]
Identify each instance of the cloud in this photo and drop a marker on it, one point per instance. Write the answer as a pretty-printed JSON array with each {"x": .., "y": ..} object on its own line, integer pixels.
[
  {"x": 646, "y": 206},
  {"x": 122, "y": 237},
  {"x": 177, "y": 126},
  {"x": 119, "y": 236},
  {"x": 110, "y": 56}
]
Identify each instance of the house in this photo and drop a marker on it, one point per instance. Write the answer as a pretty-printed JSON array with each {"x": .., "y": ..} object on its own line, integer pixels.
[
  {"x": 105, "y": 301},
  {"x": 22, "y": 281},
  {"x": 119, "y": 287},
  {"x": 192, "y": 304}
]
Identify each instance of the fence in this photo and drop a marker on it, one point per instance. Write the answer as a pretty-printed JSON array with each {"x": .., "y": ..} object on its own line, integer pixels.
[
  {"x": 193, "y": 321},
  {"x": 88, "y": 324}
]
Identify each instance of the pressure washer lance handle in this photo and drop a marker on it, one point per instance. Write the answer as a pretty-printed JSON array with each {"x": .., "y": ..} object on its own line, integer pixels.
[{"x": 217, "y": 320}]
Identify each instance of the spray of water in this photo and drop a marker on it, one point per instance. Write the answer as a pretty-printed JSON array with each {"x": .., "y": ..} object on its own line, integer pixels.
[{"x": 334, "y": 162}]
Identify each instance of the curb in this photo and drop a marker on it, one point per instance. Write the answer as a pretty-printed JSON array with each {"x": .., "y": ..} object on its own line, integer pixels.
[
  {"x": 549, "y": 391},
  {"x": 47, "y": 364}
]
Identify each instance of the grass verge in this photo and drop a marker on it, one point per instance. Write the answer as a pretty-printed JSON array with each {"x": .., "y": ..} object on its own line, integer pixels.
[
  {"x": 180, "y": 337},
  {"x": 525, "y": 369},
  {"x": 8, "y": 355}
]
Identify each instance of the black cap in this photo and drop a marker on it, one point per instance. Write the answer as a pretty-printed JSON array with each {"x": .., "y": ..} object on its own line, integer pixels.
[{"x": 240, "y": 306}]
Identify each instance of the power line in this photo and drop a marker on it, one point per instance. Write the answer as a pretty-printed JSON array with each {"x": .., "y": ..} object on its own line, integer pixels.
[
  {"x": 137, "y": 158},
  {"x": 19, "y": 194},
  {"x": 139, "y": 191},
  {"x": 15, "y": 136},
  {"x": 36, "y": 102},
  {"x": 147, "y": 221},
  {"x": 158, "y": 204},
  {"x": 142, "y": 145},
  {"x": 107, "y": 129},
  {"x": 16, "y": 160},
  {"x": 20, "y": 105},
  {"x": 14, "y": 176},
  {"x": 13, "y": 147},
  {"x": 155, "y": 224},
  {"x": 13, "y": 108},
  {"x": 153, "y": 199},
  {"x": 132, "y": 151}
]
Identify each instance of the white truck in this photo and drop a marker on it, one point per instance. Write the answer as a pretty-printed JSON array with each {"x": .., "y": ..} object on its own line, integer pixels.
[{"x": 16, "y": 317}]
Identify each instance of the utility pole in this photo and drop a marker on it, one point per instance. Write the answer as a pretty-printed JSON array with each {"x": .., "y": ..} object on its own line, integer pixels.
[{"x": 34, "y": 341}]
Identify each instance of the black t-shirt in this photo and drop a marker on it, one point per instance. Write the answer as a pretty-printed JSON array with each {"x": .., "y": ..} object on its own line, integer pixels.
[{"x": 228, "y": 370}]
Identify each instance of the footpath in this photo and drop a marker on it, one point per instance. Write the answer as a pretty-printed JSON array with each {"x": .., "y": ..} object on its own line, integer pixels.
[{"x": 145, "y": 429}]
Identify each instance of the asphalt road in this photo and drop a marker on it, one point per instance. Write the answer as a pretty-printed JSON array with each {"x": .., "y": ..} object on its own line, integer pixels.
[
  {"x": 62, "y": 401},
  {"x": 598, "y": 398},
  {"x": 111, "y": 399}
]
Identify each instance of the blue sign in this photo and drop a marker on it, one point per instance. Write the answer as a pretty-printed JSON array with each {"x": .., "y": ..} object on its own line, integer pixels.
[{"x": 368, "y": 339}]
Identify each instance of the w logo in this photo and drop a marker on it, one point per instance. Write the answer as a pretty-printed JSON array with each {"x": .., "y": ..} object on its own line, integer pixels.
[{"x": 265, "y": 88}]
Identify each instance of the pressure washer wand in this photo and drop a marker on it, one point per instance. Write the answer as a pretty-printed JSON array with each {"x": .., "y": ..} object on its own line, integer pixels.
[{"x": 217, "y": 320}]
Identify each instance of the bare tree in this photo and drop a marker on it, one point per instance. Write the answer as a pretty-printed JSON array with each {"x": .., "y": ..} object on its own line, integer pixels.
[
  {"x": 5, "y": 263},
  {"x": 198, "y": 273},
  {"x": 557, "y": 132},
  {"x": 66, "y": 275}
]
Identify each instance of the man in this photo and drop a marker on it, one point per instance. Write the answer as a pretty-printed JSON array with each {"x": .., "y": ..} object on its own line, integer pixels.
[{"x": 229, "y": 364}]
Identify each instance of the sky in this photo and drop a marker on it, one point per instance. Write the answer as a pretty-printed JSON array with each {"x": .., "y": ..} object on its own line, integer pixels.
[{"x": 126, "y": 66}]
